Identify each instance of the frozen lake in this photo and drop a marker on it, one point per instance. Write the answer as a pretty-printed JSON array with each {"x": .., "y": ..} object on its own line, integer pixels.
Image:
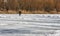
[{"x": 29, "y": 25}]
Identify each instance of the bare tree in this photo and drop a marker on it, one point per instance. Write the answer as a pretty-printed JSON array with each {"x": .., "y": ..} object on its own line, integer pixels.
[{"x": 57, "y": 6}]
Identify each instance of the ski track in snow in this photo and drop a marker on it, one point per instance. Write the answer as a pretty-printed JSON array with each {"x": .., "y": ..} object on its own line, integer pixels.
[{"x": 29, "y": 25}]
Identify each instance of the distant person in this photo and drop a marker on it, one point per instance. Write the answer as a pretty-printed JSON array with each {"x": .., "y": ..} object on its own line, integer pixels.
[
  {"x": 7, "y": 9},
  {"x": 19, "y": 13}
]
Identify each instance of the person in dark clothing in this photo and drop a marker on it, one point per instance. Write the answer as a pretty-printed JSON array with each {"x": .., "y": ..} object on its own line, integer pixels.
[
  {"x": 47, "y": 9},
  {"x": 19, "y": 13},
  {"x": 7, "y": 9}
]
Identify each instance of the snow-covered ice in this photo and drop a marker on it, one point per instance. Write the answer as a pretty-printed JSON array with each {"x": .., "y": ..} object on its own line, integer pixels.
[{"x": 29, "y": 25}]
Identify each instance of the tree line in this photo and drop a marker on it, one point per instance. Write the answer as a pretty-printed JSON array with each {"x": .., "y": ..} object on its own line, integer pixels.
[{"x": 31, "y": 5}]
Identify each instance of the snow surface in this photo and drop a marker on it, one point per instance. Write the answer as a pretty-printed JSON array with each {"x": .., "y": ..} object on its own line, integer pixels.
[{"x": 29, "y": 25}]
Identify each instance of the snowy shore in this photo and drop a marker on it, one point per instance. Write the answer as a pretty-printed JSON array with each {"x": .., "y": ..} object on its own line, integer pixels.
[{"x": 29, "y": 25}]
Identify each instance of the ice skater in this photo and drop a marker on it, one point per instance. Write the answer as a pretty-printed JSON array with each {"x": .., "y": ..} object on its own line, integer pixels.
[{"x": 19, "y": 13}]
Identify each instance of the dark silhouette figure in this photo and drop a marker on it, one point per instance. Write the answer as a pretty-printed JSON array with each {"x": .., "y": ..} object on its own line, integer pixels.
[
  {"x": 7, "y": 9},
  {"x": 47, "y": 9},
  {"x": 19, "y": 13}
]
